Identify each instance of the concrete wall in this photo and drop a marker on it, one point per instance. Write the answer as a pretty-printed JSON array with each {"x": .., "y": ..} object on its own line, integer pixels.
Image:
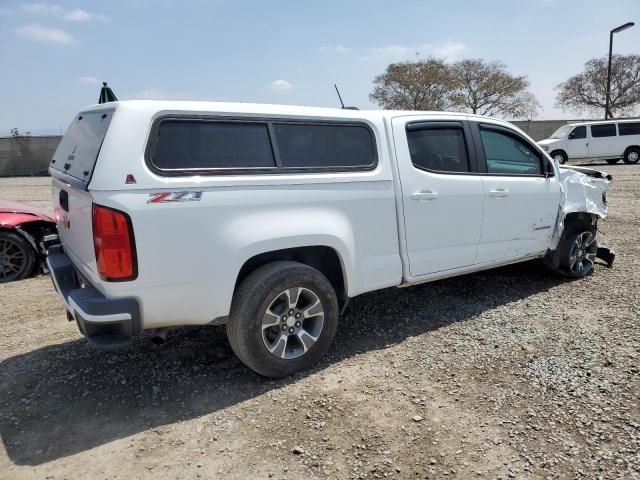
[
  {"x": 540, "y": 129},
  {"x": 26, "y": 156}
]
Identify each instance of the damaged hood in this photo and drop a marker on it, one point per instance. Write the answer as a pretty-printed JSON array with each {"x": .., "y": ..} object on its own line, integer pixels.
[{"x": 584, "y": 190}]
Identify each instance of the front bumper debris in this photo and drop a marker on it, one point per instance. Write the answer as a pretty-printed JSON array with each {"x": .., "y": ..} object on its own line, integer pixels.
[{"x": 606, "y": 255}]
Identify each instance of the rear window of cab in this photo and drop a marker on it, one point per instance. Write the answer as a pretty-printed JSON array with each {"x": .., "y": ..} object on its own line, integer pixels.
[{"x": 188, "y": 145}]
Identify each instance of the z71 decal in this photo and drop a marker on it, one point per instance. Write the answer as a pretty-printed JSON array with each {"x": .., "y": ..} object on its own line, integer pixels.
[{"x": 174, "y": 197}]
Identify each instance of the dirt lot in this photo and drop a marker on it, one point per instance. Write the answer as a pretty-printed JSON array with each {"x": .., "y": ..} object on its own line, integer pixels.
[{"x": 513, "y": 373}]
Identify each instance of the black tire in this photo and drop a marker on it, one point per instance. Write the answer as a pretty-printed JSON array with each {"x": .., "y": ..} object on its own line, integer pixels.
[
  {"x": 17, "y": 258},
  {"x": 560, "y": 156},
  {"x": 578, "y": 248},
  {"x": 258, "y": 292},
  {"x": 612, "y": 161},
  {"x": 632, "y": 155}
]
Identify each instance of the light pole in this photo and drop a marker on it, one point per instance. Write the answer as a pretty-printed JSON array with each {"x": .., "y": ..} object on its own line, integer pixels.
[{"x": 607, "y": 113}]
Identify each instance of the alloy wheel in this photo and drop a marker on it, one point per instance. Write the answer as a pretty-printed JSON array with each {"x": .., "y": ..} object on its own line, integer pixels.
[
  {"x": 13, "y": 259},
  {"x": 292, "y": 323},
  {"x": 583, "y": 254}
]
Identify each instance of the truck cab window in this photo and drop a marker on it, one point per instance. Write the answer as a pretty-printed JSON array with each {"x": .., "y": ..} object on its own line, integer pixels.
[{"x": 508, "y": 155}]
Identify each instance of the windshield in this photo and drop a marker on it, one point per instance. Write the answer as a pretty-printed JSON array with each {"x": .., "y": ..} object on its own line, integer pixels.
[{"x": 562, "y": 132}]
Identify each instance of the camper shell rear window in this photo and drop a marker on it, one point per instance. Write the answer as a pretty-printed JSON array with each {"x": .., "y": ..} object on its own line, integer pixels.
[
  {"x": 78, "y": 150},
  {"x": 183, "y": 146}
]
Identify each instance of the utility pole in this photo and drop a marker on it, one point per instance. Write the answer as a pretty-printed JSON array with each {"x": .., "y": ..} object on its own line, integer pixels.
[{"x": 607, "y": 113}]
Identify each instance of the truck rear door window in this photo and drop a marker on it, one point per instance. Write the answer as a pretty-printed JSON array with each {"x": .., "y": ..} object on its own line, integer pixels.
[
  {"x": 438, "y": 149},
  {"x": 203, "y": 145},
  {"x": 78, "y": 150},
  {"x": 324, "y": 146}
]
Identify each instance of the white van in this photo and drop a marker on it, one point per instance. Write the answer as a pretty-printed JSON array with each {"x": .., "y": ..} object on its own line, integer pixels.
[
  {"x": 606, "y": 140},
  {"x": 268, "y": 218}
]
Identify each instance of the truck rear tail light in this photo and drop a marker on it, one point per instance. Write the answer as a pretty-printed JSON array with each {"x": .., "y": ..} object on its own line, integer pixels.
[{"x": 114, "y": 244}]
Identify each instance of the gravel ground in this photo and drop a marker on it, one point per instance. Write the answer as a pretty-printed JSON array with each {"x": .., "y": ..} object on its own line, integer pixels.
[{"x": 511, "y": 373}]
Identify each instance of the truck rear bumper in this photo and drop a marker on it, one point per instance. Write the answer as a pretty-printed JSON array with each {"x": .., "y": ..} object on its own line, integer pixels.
[{"x": 108, "y": 324}]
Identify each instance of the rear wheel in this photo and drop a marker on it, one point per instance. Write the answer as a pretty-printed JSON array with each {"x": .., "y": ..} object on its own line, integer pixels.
[
  {"x": 632, "y": 155},
  {"x": 283, "y": 318},
  {"x": 612, "y": 161},
  {"x": 17, "y": 258},
  {"x": 559, "y": 156}
]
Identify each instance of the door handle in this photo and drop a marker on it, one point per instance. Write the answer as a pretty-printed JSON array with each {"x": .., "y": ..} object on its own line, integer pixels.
[
  {"x": 425, "y": 195},
  {"x": 499, "y": 193}
]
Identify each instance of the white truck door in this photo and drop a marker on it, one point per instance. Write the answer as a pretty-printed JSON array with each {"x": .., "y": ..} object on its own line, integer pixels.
[
  {"x": 520, "y": 201},
  {"x": 577, "y": 143},
  {"x": 604, "y": 141},
  {"x": 441, "y": 194}
]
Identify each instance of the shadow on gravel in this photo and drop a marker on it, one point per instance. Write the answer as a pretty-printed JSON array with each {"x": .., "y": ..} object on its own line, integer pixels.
[{"x": 64, "y": 399}]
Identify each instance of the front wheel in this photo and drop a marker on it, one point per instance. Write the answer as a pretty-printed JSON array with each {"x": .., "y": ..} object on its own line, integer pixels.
[
  {"x": 559, "y": 156},
  {"x": 17, "y": 258},
  {"x": 632, "y": 155},
  {"x": 578, "y": 252},
  {"x": 283, "y": 318}
]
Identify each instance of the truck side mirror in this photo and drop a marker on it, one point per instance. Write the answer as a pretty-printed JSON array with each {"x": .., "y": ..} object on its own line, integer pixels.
[{"x": 548, "y": 168}]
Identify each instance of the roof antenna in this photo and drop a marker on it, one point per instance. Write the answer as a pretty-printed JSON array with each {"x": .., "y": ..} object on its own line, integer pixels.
[
  {"x": 341, "y": 102},
  {"x": 339, "y": 96}
]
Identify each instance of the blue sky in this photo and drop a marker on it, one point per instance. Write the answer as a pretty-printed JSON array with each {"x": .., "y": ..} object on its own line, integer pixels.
[{"x": 54, "y": 54}]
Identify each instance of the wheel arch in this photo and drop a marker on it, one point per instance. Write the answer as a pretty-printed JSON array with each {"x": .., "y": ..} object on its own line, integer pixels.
[
  {"x": 577, "y": 219},
  {"x": 323, "y": 258},
  {"x": 630, "y": 147},
  {"x": 35, "y": 231}
]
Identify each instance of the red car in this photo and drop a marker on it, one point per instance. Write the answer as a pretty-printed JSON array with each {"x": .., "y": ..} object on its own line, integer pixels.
[{"x": 25, "y": 232}]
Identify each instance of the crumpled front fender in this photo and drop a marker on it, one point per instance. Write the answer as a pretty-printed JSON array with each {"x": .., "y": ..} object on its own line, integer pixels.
[{"x": 584, "y": 190}]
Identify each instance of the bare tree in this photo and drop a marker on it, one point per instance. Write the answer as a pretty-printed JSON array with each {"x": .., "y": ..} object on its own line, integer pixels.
[
  {"x": 488, "y": 89},
  {"x": 21, "y": 138},
  {"x": 422, "y": 85},
  {"x": 587, "y": 91},
  {"x": 17, "y": 134},
  {"x": 531, "y": 105}
]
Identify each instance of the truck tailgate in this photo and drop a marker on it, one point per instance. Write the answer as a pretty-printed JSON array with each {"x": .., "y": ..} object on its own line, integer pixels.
[
  {"x": 72, "y": 168},
  {"x": 72, "y": 208}
]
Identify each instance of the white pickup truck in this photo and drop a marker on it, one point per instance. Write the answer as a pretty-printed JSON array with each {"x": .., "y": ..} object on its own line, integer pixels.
[{"x": 269, "y": 218}]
